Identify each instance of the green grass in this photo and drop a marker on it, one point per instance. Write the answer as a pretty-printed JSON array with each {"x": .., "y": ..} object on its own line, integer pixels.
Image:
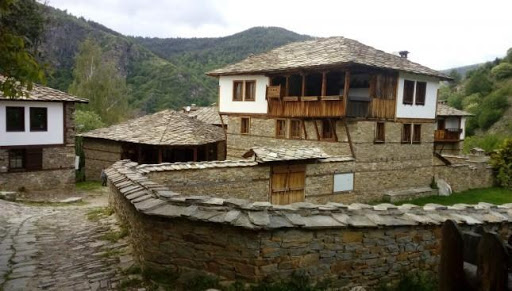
[
  {"x": 493, "y": 195},
  {"x": 51, "y": 204},
  {"x": 114, "y": 236},
  {"x": 88, "y": 186},
  {"x": 98, "y": 213}
]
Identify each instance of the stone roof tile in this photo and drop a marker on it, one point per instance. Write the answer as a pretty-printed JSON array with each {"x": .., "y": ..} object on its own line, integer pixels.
[
  {"x": 43, "y": 93},
  {"x": 445, "y": 110},
  {"x": 274, "y": 154}
]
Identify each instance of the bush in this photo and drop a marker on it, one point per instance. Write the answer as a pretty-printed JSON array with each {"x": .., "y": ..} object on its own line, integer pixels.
[
  {"x": 501, "y": 161},
  {"x": 87, "y": 120},
  {"x": 419, "y": 281},
  {"x": 488, "y": 142},
  {"x": 502, "y": 71},
  {"x": 479, "y": 82}
]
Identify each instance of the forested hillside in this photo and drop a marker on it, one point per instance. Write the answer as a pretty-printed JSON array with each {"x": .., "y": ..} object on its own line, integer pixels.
[
  {"x": 486, "y": 92},
  {"x": 160, "y": 73}
]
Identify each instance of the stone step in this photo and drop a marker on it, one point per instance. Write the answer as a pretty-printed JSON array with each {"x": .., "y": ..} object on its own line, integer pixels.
[
  {"x": 9, "y": 196},
  {"x": 409, "y": 194}
]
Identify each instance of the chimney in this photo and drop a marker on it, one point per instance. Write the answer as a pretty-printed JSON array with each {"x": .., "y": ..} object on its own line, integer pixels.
[{"x": 403, "y": 54}]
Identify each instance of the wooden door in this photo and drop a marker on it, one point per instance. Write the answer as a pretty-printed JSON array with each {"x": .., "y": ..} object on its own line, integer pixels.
[{"x": 287, "y": 184}]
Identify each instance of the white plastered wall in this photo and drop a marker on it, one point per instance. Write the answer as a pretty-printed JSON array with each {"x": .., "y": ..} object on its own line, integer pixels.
[
  {"x": 427, "y": 111},
  {"x": 226, "y": 103},
  {"x": 54, "y": 135}
]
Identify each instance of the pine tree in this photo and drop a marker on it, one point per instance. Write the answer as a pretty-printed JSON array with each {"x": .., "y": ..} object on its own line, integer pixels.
[{"x": 98, "y": 80}]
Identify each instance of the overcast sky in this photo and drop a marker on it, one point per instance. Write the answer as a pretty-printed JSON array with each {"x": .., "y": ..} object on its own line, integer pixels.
[{"x": 439, "y": 33}]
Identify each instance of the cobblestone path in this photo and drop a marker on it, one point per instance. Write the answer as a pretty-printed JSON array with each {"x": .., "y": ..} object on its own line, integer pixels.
[{"x": 58, "y": 248}]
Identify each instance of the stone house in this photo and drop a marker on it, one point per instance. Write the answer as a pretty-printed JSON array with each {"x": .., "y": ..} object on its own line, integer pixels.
[
  {"x": 450, "y": 129},
  {"x": 166, "y": 136},
  {"x": 37, "y": 143}
]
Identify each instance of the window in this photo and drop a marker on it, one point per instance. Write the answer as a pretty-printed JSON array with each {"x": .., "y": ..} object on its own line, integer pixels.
[
  {"x": 327, "y": 130},
  {"x": 244, "y": 90},
  {"x": 15, "y": 118},
  {"x": 281, "y": 128},
  {"x": 406, "y": 133},
  {"x": 244, "y": 125},
  {"x": 416, "y": 137},
  {"x": 408, "y": 92},
  {"x": 238, "y": 90},
  {"x": 380, "y": 134},
  {"x": 38, "y": 119},
  {"x": 421, "y": 91},
  {"x": 343, "y": 182},
  {"x": 17, "y": 159},
  {"x": 295, "y": 129},
  {"x": 250, "y": 90}
]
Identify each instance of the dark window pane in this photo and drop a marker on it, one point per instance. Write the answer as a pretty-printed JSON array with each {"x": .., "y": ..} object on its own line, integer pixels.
[
  {"x": 421, "y": 91},
  {"x": 15, "y": 118},
  {"x": 38, "y": 119},
  {"x": 238, "y": 90},
  {"x": 250, "y": 90},
  {"x": 406, "y": 133},
  {"x": 281, "y": 128},
  {"x": 327, "y": 132},
  {"x": 408, "y": 92},
  {"x": 417, "y": 133},
  {"x": 379, "y": 132},
  {"x": 16, "y": 159},
  {"x": 244, "y": 125}
]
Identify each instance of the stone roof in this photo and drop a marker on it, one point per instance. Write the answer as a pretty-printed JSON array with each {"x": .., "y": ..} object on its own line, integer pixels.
[
  {"x": 209, "y": 114},
  {"x": 271, "y": 154},
  {"x": 323, "y": 52},
  {"x": 42, "y": 93},
  {"x": 162, "y": 128},
  {"x": 445, "y": 110},
  {"x": 151, "y": 198},
  {"x": 147, "y": 168}
]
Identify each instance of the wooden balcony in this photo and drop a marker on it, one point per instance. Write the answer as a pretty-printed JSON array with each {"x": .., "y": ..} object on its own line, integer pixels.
[
  {"x": 308, "y": 106},
  {"x": 447, "y": 135}
]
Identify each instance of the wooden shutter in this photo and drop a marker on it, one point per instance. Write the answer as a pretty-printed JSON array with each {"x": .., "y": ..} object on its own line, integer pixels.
[
  {"x": 250, "y": 90},
  {"x": 380, "y": 135},
  {"x": 295, "y": 129},
  {"x": 406, "y": 133},
  {"x": 417, "y": 133},
  {"x": 421, "y": 91},
  {"x": 281, "y": 128},
  {"x": 408, "y": 92},
  {"x": 244, "y": 125},
  {"x": 34, "y": 159},
  {"x": 238, "y": 87},
  {"x": 287, "y": 184}
]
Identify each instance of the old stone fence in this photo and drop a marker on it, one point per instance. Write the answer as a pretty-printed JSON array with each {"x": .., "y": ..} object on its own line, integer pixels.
[{"x": 235, "y": 239}]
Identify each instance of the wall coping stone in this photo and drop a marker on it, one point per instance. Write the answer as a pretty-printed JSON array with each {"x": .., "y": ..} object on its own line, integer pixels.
[{"x": 153, "y": 199}]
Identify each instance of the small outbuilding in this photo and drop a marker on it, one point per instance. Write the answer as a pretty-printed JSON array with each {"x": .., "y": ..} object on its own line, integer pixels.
[
  {"x": 166, "y": 136},
  {"x": 451, "y": 129}
]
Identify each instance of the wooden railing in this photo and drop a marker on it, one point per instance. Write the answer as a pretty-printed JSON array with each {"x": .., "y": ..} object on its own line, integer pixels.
[
  {"x": 327, "y": 106},
  {"x": 447, "y": 135}
]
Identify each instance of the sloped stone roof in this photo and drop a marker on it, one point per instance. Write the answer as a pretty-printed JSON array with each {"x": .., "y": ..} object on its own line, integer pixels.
[
  {"x": 42, "y": 93},
  {"x": 446, "y": 110},
  {"x": 209, "y": 114},
  {"x": 271, "y": 154},
  {"x": 154, "y": 199},
  {"x": 323, "y": 52},
  {"x": 162, "y": 128},
  {"x": 148, "y": 168}
]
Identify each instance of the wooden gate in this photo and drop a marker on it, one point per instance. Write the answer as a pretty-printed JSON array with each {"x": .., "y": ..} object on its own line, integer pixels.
[{"x": 287, "y": 184}]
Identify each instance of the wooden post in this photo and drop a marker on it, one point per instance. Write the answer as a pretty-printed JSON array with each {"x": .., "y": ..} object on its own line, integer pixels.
[
  {"x": 287, "y": 86},
  {"x": 304, "y": 128},
  {"x": 349, "y": 139},
  {"x": 160, "y": 155},
  {"x": 303, "y": 85},
  {"x": 316, "y": 129},
  {"x": 346, "y": 89},
  {"x": 451, "y": 272},
  {"x": 492, "y": 259},
  {"x": 195, "y": 154},
  {"x": 324, "y": 84},
  {"x": 333, "y": 126}
]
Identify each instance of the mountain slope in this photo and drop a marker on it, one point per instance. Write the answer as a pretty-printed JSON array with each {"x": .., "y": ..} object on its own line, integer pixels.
[{"x": 161, "y": 73}]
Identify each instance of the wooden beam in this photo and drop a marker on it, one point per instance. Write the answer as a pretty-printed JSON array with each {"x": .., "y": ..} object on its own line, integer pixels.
[
  {"x": 303, "y": 93},
  {"x": 304, "y": 128},
  {"x": 324, "y": 84},
  {"x": 139, "y": 154},
  {"x": 349, "y": 139},
  {"x": 287, "y": 86},
  {"x": 160, "y": 155},
  {"x": 333, "y": 127},
  {"x": 195, "y": 154},
  {"x": 346, "y": 88},
  {"x": 316, "y": 129}
]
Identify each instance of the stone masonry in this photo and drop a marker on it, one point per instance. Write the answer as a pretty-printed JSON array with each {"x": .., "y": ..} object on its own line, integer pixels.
[
  {"x": 350, "y": 245},
  {"x": 99, "y": 154}
]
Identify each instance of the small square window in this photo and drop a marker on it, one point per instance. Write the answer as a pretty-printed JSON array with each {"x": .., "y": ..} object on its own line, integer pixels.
[
  {"x": 38, "y": 119},
  {"x": 327, "y": 130},
  {"x": 15, "y": 120},
  {"x": 245, "y": 125},
  {"x": 281, "y": 128},
  {"x": 295, "y": 129},
  {"x": 343, "y": 182},
  {"x": 380, "y": 134}
]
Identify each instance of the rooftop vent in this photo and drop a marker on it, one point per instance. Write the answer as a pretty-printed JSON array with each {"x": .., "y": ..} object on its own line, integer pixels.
[{"x": 403, "y": 54}]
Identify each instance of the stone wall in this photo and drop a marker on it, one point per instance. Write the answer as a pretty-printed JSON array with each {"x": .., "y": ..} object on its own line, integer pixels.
[
  {"x": 99, "y": 154},
  {"x": 349, "y": 245},
  {"x": 463, "y": 174},
  {"x": 453, "y": 148}
]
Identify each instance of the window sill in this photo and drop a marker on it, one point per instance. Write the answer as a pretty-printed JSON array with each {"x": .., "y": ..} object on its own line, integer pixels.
[
  {"x": 39, "y": 130},
  {"x": 379, "y": 141},
  {"x": 15, "y": 131}
]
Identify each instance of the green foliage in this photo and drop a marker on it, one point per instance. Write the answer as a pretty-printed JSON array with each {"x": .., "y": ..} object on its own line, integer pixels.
[
  {"x": 508, "y": 58},
  {"x": 87, "y": 120},
  {"x": 456, "y": 76},
  {"x": 98, "y": 80},
  {"x": 479, "y": 82},
  {"x": 501, "y": 161},
  {"x": 502, "y": 71},
  {"x": 420, "y": 281},
  {"x": 298, "y": 281},
  {"x": 488, "y": 142},
  {"x": 495, "y": 195},
  {"x": 21, "y": 28}
]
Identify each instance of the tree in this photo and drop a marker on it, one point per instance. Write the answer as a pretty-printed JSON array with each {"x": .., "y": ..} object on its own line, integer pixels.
[
  {"x": 98, "y": 80},
  {"x": 21, "y": 29},
  {"x": 479, "y": 82},
  {"x": 87, "y": 120},
  {"x": 502, "y": 71},
  {"x": 456, "y": 77},
  {"x": 501, "y": 161}
]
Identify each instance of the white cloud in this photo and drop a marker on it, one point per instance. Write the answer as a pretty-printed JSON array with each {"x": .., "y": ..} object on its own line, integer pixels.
[{"x": 439, "y": 34}]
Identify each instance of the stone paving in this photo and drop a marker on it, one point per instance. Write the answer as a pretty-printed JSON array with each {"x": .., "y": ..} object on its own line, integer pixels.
[{"x": 58, "y": 248}]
